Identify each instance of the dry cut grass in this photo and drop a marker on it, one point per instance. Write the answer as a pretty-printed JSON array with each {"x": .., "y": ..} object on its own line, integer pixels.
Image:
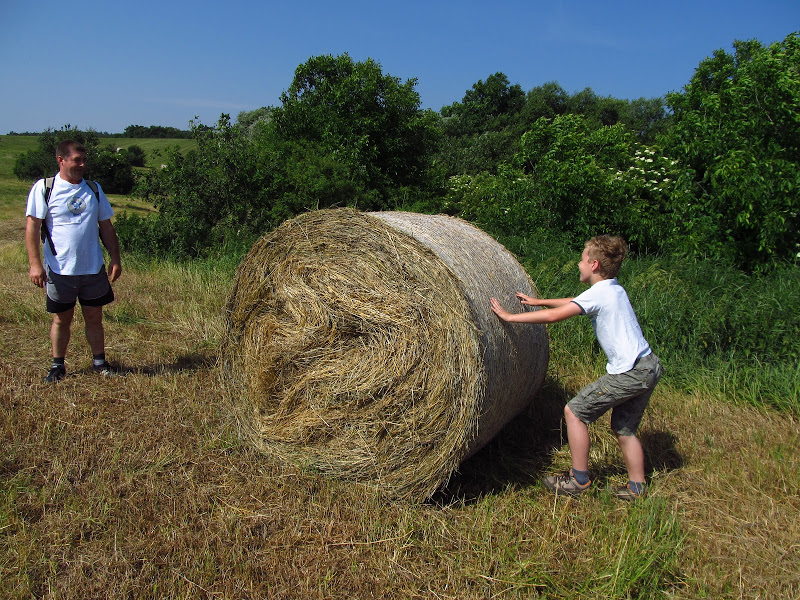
[{"x": 139, "y": 488}]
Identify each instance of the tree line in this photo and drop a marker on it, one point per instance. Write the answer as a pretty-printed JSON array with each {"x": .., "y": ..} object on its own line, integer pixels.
[
  {"x": 132, "y": 131},
  {"x": 710, "y": 171}
]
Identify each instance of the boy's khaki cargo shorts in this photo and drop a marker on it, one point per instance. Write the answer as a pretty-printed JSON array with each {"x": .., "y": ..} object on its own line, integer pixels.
[{"x": 626, "y": 393}]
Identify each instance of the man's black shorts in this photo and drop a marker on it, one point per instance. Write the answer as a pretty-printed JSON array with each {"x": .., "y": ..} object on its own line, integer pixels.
[{"x": 63, "y": 291}]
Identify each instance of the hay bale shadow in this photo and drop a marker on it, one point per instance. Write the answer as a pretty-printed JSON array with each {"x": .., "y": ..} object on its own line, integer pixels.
[
  {"x": 519, "y": 455},
  {"x": 660, "y": 454},
  {"x": 660, "y": 451},
  {"x": 523, "y": 451}
]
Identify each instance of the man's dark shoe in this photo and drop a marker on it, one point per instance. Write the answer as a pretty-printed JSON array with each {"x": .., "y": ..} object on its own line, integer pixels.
[
  {"x": 106, "y": 370},
  {"x": 565, "y": 484},
  {"x": 56, "y": 374}
]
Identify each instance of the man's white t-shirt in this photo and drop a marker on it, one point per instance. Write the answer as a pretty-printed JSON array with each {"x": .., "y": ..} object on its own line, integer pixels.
[
  {"x": 615, "y": 324},
  {"x": 72, "y": 219}
]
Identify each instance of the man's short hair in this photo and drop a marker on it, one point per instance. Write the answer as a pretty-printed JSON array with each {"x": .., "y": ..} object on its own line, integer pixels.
[
  {"x": 609, "y": 251},
  {"x": 67, "y": 148}
]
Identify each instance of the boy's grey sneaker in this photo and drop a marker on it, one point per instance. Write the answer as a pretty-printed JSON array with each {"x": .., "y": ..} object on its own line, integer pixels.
[
  {"x": 565, "y": 484},
  {"x": 624, "y": 492},
  {"x": 106, "y": 370},
  {"x": 56, "y": 374}
]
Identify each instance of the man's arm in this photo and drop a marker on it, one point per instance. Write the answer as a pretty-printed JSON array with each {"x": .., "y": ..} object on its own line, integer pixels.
[
  {"x": 37, "y": 274},
  {"x": 109, "y": 237},
  {"x": 563, "y": 311}
]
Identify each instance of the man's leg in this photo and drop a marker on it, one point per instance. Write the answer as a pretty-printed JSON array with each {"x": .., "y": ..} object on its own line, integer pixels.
[
  {"x": 95, "y": 334},
  {"x": 60, "y": 332}
]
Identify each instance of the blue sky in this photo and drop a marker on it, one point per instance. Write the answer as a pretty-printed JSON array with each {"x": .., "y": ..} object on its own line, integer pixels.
[{"x": 107, "y": 64}]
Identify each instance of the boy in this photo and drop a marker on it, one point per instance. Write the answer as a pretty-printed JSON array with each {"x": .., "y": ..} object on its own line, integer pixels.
[{"x": 632, "y": 370}]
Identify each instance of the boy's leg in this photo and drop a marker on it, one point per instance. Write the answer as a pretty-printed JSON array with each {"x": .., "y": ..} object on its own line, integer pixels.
[
  {"x": 625, "y": 422},
  {"x": 633, "y": 454},
  {"x": 576, "y": 480},
  {"x": 578, "y": 437}
]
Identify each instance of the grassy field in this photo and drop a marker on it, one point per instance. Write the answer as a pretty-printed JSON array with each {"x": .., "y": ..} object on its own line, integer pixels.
[{"x": 139, "y": 487}]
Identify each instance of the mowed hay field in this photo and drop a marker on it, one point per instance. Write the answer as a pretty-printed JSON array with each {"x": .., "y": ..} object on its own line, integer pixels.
[{"x": 139, "y": 487}]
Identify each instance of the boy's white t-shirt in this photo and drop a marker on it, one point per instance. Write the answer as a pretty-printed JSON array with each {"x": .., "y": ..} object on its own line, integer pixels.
[
  {"x": 615, "y": 324},
  {"x": 71, "y": 215}
]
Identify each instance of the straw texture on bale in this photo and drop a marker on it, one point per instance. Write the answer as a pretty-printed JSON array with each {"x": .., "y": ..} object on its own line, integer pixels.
[{"x": 362, "y": 345}]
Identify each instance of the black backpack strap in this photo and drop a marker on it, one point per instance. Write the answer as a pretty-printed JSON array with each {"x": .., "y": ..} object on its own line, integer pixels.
[
  {"x": 93, "y": 186},
  {"x": 45, "y": 232}
]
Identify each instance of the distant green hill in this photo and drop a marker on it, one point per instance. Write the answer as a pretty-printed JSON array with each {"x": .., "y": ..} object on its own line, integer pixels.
[{"x": 13, "y": 191}]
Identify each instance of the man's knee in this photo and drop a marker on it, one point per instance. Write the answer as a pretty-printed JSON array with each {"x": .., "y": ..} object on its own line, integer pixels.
[
  {"x": 63, "y": 319},
  {"x": 92, "y": 315}
]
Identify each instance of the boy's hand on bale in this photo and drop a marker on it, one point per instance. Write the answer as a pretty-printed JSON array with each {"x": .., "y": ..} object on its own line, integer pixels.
[
  {"x": 529, "y": 300},
  {"x": 498, "y": 309}
]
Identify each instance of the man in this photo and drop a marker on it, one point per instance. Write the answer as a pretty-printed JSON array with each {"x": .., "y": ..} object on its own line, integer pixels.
[{"x": 75, "y": 220}]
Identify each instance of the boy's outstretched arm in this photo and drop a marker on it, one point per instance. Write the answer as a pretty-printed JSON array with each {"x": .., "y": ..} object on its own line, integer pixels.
[
  {"x": 546, "y": 302},
  {"x": 562, "y": 311}
]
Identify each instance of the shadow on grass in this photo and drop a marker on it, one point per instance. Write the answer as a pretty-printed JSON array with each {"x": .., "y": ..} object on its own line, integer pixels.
[
  {"x": 518, "y": 455},
  {"x": 194, "y": 361},
  {"x": 523, "y": 451}
]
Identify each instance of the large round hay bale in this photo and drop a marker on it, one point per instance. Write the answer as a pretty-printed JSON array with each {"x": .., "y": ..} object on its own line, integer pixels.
[{"x": 363, "y": 345}]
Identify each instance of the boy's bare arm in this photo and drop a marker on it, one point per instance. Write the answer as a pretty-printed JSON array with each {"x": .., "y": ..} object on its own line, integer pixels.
[
  {"x": 546, "y": 302},
  {"x": 560, "y": 312}
]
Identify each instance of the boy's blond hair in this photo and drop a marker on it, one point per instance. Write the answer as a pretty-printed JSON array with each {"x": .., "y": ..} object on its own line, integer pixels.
[{"x": 609, "y": 251}]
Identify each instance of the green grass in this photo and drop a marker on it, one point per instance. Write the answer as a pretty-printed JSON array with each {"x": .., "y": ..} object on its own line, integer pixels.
[
  {"x": 13, "y": 193},
  {"x": 155, "y": 149}
]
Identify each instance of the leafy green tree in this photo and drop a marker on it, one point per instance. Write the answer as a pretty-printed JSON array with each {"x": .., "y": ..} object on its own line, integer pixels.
[
  {"x": 490, "y": 105},
  {"x": 506, "y": 203},
  {"x": 737, "y": 128},
  {"x": 646, "y": 117},
  {"x": 41, "y": 161},
  {"x": 345, "y": 135},
  {"x": 548, "y": 100},
  {"x": 135, "y": 156},
  {"x": 482, "y": 131},
  {"x": 247, "y": 118},
  {"x": 111, "y": 169},
  {"x": 155, "y": 131},
  {"x": 477, "y": 153},
  {"x": 598, "y": 179},
  {"x": 205, "y": 198},
  {"x": 368, "y": 122}
]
